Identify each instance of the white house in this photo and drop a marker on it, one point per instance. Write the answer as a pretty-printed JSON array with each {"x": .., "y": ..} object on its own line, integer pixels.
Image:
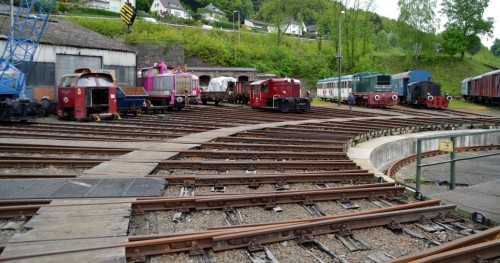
[
  {"x": 257, "y": 25},
  {"x": 294, "y": 28},
  {"x": 109, "y": 5},
  {"x": 212, "y": 13},
  {"x": 169, "y": 8}
]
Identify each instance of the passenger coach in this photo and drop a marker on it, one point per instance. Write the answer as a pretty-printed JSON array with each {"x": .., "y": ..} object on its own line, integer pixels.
[{"x": 327, "y": 89}]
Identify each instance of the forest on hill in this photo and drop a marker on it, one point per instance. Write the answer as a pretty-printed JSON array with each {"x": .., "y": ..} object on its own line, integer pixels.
[{"x": 368, "y": 42}]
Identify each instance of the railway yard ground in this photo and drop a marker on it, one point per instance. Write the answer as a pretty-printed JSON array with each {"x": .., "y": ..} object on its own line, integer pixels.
[{"x": 233, "y": 184}]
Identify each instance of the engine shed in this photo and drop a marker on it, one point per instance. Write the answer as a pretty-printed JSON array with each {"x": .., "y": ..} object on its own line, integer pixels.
[{"x": 66, "y": 46}]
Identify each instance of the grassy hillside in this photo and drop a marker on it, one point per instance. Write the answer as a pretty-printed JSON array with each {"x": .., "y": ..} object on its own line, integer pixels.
[{"x": 304, "y": 59}]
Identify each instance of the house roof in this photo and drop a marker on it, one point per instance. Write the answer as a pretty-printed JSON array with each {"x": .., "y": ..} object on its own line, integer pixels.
[
  {"x": 214, "y": 9},
  {"x": 255, "y": 22},
  {"x": 65, "y": 33},
  {"x": 311, "y": 28},
  {"x": 172, "y": 4}
]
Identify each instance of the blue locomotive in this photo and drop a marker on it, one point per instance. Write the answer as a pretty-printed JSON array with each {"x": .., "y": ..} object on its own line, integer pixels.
[{"x": 416, "y": 88}]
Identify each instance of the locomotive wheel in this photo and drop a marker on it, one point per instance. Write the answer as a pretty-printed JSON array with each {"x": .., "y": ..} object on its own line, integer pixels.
[
  {"x": 284, "y": 107},
  {"x": 217, "y": 102}
]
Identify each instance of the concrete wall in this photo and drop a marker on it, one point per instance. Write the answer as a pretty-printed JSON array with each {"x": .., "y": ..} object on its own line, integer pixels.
[{"x": 401, "y": 147}]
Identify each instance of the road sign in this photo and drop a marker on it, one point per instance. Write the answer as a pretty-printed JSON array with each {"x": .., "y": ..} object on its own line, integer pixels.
[
  {"x": 445, "y": 145},
  {"x": 128, "y": 13}
]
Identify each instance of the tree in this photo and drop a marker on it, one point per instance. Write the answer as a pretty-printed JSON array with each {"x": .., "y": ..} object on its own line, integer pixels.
[
  {"x": 381, "y": 41},
  {"x": 495, "y": 49},
  {"x": 467, "y": 17},
  {"x": 357, "y": 31},
  {"x": 282, "y": 13},
  {"x": 143, "y": 5},
  {"x": 416, "y": 22},
  {"x": 453, "y": 41}
]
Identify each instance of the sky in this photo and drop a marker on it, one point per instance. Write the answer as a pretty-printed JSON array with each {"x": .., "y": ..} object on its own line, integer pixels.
[{"x": 389, "y": 8}]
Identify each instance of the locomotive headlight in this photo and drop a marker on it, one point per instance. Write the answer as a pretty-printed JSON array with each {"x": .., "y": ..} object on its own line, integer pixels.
[
  {"x": 394, "y": 97},
  {"x": 448, "y": 98},
  {"x": 376, "y": 97},
  {"x": 179, "y": 99},
  {"x": 430, "y": 98}
]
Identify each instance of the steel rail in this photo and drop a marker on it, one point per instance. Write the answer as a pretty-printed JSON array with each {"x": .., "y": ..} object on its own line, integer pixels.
[
  {"x": 37, "y": 176},
  {"x": 271, "y": 200},
  {"x": 60, "y": 149},
  {"x": 252, "y": 237},
  {"x": 155, "y": 245},
  {"x": 253, "y": 180},
  {"x": 11, "y": 209},
  {"x": 46, "y": 163},
  {"x": 301, "y": 134},
  {"x": 320, "y": 190},
  {"x": 342, "y": 225},
  {"x": 93, "y": 131},
  {"x": 267, "y": 155},
  {"x": 253, "y": 165},
  {"x": 83, "y": 137},
  {"x": 491, "y": 234},
  {"x": 268, "y": 199},
  {"x": 272, "y": 147},
  {"x": 475, "y": 253},
  {"x": 52, "y": 158},
  {"x": 427, "y": 203},
  {"x": 241, "y": 138}
]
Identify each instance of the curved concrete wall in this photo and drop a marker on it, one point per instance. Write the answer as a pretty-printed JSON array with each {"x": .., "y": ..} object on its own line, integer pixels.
[{"x": 375, "y": 154}]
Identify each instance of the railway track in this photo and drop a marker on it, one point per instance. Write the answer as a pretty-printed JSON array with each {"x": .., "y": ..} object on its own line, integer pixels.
[
  {"x": 307, "y": 232},
  {"x": 296, "y": 178}
]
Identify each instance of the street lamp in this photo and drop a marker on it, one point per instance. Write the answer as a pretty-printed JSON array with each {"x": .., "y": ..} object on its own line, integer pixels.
[
  {"x": 233, "y": 20},
  {"x": 339, "y": 57},
  {"x": 237, "y": 11}
]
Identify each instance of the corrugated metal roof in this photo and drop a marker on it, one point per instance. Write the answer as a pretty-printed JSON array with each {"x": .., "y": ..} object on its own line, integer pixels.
[
  {"x": 220, "y": 69},
  {"x": 64, "y": 33},
  {"x": 172, "y": 4}
]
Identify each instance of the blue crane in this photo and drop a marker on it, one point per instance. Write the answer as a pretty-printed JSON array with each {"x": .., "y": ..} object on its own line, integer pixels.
[{"x": 26, "y": 29}]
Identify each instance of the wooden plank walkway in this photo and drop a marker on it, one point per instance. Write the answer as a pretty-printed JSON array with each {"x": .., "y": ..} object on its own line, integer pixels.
[{"x": 75, "y": 224}]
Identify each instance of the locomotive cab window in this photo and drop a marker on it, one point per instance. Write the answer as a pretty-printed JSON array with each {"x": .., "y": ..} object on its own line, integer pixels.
[
  {"x": 265, "y": 88},
  {"x": 86, "y": 81},
  {"x": 67, "y": 82},
  {"x": 105, "y": 80},
  {"x": 255, "y": 89},
  {"x": 384, "y": 80}
]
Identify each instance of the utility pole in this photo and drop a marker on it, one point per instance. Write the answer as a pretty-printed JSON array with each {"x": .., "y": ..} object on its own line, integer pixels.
[
  {"x": 339, "y": 57},
  {"x": 238, "y": 24}
]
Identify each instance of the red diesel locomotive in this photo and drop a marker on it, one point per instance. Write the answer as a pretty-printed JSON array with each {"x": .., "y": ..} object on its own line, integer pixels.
[
  {"x": 84, "y": 96},
  {"x": 282, "y": 95}
]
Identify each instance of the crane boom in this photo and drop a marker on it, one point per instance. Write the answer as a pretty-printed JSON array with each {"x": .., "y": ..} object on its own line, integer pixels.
[{"x": 26, "y": 31}]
